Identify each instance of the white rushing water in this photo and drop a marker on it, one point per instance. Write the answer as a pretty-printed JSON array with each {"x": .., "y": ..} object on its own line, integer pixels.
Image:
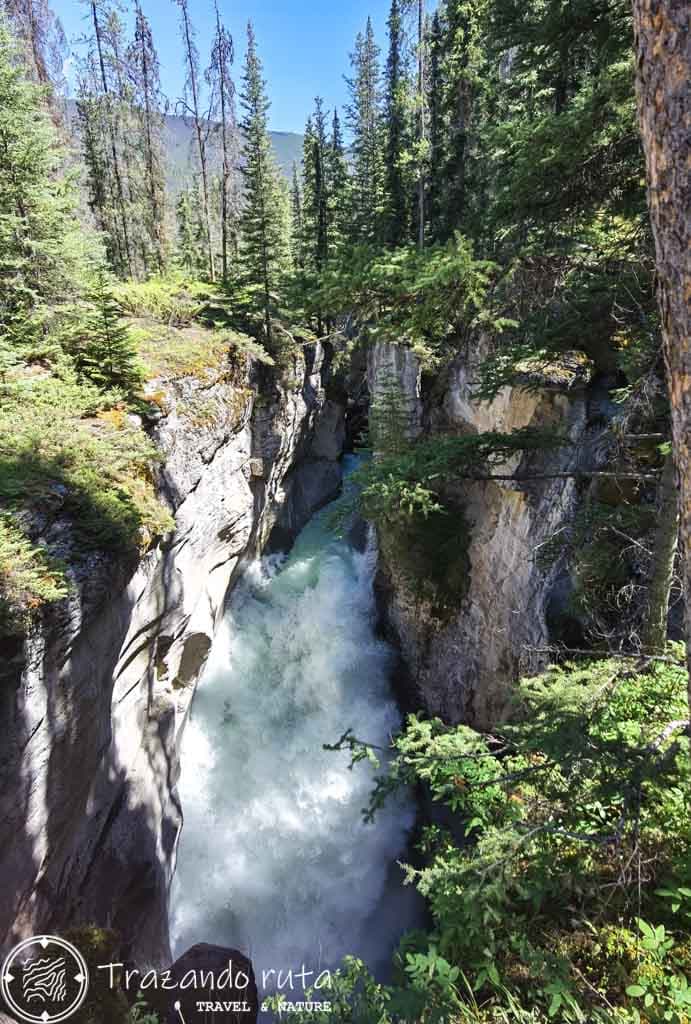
[{"x": 275, "y": 859}]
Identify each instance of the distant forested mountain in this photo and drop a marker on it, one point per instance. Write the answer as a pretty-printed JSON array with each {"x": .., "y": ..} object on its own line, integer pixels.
[{"x": 178, "y": 142}]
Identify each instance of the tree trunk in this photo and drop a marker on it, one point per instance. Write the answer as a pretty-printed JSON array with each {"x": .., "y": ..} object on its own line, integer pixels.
[
  {"x": 662, "y": 571},
  {"x": 201, "y": 143},
  {"x": 111, "y": 133},
  {"x": 152, "y": 187},
  {"x": 422, "y": 99},
  {"x": 663, "y": 85}
]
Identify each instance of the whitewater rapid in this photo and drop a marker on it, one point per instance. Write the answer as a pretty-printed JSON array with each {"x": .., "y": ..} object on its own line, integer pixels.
[{"x": 275, "y": 859}]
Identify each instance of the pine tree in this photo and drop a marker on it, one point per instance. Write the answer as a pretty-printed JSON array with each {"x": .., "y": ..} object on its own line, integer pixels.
[
  {"x": 221, "y": 83},
  {"x": 297, "y": 226},
  {"x": 365, "y": 122},
  {"x": 149, "y": 104},
  {"x": 390, "y": 416},
  {"x": 42, "y": 246},
  {"x": 316, "y": 205},
  {"x": 460, "y": 82},
  {"x": 191, "y": 105},
  {"x": 397, "y": 107},
  {"x": 191, "y": 235},
  {"x": 106, "y": 354},
  {"x": 264, "y": 218},
  {"x": 338, "y": 190},
  {"x": 422, "y": 156},
  {"x": 435, "y": 87},
  {"x": 99, "y": 114},
  {"x": 131, "y": 143},
  {"x": 41, "y": 35},
  {"x": 663, "y": 91}
]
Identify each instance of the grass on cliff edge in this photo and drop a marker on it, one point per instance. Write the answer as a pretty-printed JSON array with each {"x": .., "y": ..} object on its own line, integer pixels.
[
  {"x": 66, "y": 457},
  {"x": 71, "y": 453}
]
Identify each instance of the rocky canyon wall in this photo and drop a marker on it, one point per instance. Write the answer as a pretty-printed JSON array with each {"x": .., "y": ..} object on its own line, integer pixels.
[
  {"x": 93, "y": 700},
  {"x": 461, "y": 666}
]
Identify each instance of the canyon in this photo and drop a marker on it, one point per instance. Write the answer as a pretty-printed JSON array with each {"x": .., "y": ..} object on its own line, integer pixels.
[{"x": 96, "y": 698}]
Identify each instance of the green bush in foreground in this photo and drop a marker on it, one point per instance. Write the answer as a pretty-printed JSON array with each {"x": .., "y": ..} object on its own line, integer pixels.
[{"x": 564, "y": 892}]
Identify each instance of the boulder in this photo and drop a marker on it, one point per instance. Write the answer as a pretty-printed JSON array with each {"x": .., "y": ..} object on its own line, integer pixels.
[{"x": 214, "y": 976}]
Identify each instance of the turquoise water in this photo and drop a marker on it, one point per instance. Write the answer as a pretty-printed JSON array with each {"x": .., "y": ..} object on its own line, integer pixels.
[{"x": 275, "y": 859}]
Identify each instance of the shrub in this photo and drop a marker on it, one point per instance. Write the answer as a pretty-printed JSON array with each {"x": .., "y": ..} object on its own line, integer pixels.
[
  {"x": 58, "y": 457},
  {"x": 29, "y": 578},
  {"x": 560, "y": 894}
]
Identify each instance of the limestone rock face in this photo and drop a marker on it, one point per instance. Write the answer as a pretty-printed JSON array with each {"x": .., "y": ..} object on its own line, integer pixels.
[
  {"x": 387, "y": 363},
  {"x": 93, "y": 700},
  {"x": 463, "y": 667}
]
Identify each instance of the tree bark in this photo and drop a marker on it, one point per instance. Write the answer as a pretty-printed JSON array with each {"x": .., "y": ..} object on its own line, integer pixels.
[
  {"x": 663, "y": 85},
  {"x": 662, "y": 571},
  {"x": 422, "y": 99},
  {"x": 111, "y": 134},
  {"x": 199, "y": 130}
]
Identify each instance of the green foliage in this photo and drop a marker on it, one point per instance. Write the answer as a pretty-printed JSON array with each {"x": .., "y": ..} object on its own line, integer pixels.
[
  {"x": 398, "y": 107},
  {"x": 191, "y": 232},
  {"x": 429, "y": 300},
  {"x": 608, "y": 545},
  {"x": 543, "y": 894},
  {"x": 140, "y": 1014},
  {"x": 103, "y": 1005},
  {"x": 42, "y": 247},
  {"x": 101, "y": 345},
  {"x": 404, "y": 490},
  {"x": 63, "y": 453},
  {"x": 173, "y": 299},
  {"x": 265, "y": 214},
  {"x": 364, "y": 119},
  {"x": 665, "y": 995},
  {"x": 28, "y": 577}
]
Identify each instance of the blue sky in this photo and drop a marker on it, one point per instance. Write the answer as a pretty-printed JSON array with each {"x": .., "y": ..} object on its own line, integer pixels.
[{"x": 304, "y": 44}]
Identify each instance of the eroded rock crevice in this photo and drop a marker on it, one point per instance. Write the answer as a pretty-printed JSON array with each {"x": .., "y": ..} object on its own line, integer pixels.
[{"x": 92, "y": 703}]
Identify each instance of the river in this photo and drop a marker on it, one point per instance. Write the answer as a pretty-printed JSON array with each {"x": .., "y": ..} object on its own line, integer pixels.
[{"x": 275, "y": 859}]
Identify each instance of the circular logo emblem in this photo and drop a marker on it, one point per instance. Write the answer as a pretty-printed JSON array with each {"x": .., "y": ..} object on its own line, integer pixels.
[{"x": 44, "y": 980}]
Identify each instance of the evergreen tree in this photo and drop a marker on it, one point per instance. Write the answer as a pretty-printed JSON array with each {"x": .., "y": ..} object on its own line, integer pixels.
[
  {"x": 149, "y": 103},
  {"x": 435, "y": 87},
  {"x": 390, "y": 420},
  {"x": 264, "y": 218},
  {"x": 41, "y": 244},
  {"x": 99, "y": 113},
  {"x": 338, "y": 189},
  {"x": 41, "y": 35},
  {"x": 461, "y": 60},
  {"x": 222, "y": 87},
  {"x": 297, "y": 226},
  {"x": 132, "y": 144},
  {"x": 397, "y": 120},
  {"x": 663, "y": 89},
  {"x": 200, "y": 119},
  {"x": 364, "y": 119},
  {"x": 106, "y": 354},
  {"x": 191, "y": 235},
  {"x": 316, "y": 200},
  {"x": 307, "y": 226},
  {"x": 422, "y": 146}
]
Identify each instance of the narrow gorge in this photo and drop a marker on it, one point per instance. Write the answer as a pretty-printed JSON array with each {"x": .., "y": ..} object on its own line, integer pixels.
[
  {"x": 111, "y": 750},
  {"x": 344, "y": 558}
]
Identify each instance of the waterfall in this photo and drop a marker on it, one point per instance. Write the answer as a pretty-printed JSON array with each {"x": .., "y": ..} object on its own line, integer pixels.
[{"x": 274, "y": 858}]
